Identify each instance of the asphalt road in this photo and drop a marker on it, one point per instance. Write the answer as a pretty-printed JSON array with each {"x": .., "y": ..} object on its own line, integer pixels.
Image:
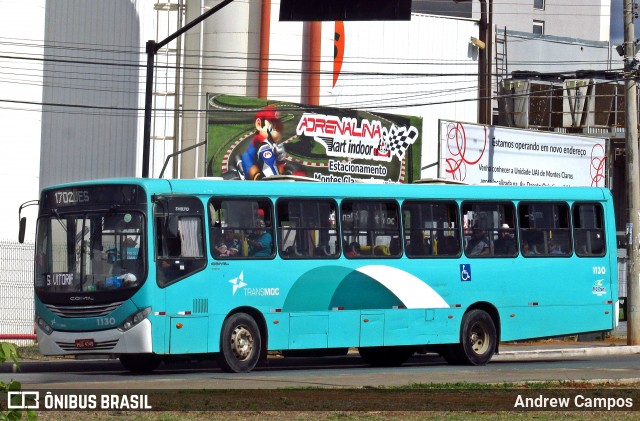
[{"x": 514, "y": 366}]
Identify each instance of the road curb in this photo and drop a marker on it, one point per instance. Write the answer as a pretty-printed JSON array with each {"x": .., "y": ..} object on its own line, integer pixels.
[{"x": 513, "y": 355}]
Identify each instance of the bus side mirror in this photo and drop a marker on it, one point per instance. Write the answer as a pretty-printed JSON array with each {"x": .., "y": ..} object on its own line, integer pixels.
[
  {"x": 23, "y": 219},
  {"x": 23, "y": 226}
]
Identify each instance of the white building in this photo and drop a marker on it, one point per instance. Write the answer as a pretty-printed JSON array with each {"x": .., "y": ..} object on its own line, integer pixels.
[
  {"x": 21, "y": 43},
  {"x": 585, "y": 19}
]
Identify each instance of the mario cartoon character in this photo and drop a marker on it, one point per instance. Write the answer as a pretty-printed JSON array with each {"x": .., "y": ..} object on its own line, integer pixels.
[{"x": 264, "y": 156}]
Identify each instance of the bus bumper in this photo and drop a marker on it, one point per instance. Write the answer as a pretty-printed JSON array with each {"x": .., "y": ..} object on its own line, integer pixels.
[{"x": 113, "y": 341}]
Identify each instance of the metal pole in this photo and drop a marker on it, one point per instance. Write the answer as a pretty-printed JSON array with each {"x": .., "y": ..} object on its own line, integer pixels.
[
  {"x": 148, "y": 103},
  {"x": 631, "y": 138}
]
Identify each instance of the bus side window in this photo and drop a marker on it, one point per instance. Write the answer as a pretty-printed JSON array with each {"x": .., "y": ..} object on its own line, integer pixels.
[
  {"x": 307, "y": 229},
  {"x": 545, "y": 229},
  {"x": 241, "y": 228},
  {"x": 491, "y": 229},
  {"x": 588, "y": 229},
  {"x": 431, "y": 229},
  {"x": 179, "y": 238},
  {"x": 372, "y": 224}
]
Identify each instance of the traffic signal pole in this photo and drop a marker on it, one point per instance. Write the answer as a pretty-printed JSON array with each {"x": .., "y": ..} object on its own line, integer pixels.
[{"x": 152, "y": 49}]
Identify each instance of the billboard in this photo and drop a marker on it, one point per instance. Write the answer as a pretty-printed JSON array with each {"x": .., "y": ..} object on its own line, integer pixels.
[
  {"x": 478, "y": 154},
  {"x": 337, "y": 10},
  {"x": 251, "y": 138}
]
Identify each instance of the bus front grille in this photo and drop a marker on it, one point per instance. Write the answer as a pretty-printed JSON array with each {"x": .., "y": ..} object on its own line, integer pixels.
[{"x": 84, "y": 311}]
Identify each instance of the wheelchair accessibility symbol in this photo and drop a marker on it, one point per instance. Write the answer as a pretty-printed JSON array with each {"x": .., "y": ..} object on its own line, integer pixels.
[{"x": 465, "y": 272}]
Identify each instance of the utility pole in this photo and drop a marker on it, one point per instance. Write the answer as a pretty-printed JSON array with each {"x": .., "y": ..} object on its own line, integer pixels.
[
  {"x": 485, "y": 62},
  {"x": 633, "y": 181}
]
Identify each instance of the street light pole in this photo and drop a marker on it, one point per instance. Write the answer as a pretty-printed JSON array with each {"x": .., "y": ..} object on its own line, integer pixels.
[
  {"x": 152, "y": 49},
  {"x": 633, "y": 189}
]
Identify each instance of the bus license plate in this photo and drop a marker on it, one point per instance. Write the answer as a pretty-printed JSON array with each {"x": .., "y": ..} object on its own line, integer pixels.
[{"x": 85, "y": 343}]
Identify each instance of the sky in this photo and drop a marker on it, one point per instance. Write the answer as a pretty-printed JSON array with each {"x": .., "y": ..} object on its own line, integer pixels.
[{"x": 617, "y": 23}]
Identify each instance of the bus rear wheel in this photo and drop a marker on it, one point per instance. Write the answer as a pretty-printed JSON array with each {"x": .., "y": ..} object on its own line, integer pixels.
[
  {"x": 140, "y": 363},
  {"x": 478, "y": 340},
  {"x": 240, "y": 344},
  {"x": 386, "y": 356}
]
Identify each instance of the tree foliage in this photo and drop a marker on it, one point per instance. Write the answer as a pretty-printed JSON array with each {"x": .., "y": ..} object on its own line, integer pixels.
[{"x": 9, "y": 352}]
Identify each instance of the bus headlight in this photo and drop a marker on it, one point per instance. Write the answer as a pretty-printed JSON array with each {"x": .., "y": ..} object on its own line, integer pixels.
[
  {"x": 44, "y": 326},
  {"x": 134, "y": 319}
]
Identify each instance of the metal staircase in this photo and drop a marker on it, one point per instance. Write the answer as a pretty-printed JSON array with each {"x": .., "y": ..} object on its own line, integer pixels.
[{"x": 501, "y": 68}]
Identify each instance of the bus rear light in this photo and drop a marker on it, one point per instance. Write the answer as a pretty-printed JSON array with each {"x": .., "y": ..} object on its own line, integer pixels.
[
  {"x": 134, "y": 319},
  {"x": 44, "y": 326},
  {"x": 276, "y": 310},
  {"x": 159, "y": 313},
  {"x": 398, "y": 307},
  {"x": 338, "y": 308},
  {"x": 184, "y": 313},
  {"x": 456, "y": 305}
]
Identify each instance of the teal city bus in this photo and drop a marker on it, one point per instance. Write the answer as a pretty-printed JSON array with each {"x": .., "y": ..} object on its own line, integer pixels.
[{"x": 154, "y": 269}]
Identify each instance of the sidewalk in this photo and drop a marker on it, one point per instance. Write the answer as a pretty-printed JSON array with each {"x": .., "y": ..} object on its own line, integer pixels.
[{"x": 581, "y": 346}]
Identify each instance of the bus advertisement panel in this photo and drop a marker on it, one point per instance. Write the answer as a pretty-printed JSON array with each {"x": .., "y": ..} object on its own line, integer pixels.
[
  {"x": 479, "y": 154},
  {"x": 251, "y": 138}
]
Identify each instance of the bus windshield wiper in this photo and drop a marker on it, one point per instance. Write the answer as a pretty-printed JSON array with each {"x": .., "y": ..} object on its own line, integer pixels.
[{"x": 60, "y": 220}]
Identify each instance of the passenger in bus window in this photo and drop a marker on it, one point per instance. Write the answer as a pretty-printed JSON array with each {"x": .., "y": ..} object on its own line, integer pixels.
[
  {"x": 554, "y": 247},
  {"x": 528, "y": 250},
  {"x": 417, "y": 245},
  {"x": 167, "y": 271},
  {"x": 228, "y": 245},
  {"x": 353, "y": 250},
  {"x": 478, "y": 245},
  {"x": 448, "y": 246},
  {"x": 260, "y": 242},
  {"x": 504, "y": 245}
]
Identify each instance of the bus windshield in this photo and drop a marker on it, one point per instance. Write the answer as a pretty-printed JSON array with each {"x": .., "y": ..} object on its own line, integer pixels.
[{"x": 87, "y": 252}]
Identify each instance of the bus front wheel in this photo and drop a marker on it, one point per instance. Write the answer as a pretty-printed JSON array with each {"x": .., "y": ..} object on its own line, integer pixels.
[
  {"x": 140, "y": 363},
  {"x": 240, "y": 344},
  {"x": 478, "y": 340}
]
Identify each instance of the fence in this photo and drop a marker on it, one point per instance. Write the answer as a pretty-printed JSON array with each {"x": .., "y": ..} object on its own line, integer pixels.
[{"x": 16, "y": 291}]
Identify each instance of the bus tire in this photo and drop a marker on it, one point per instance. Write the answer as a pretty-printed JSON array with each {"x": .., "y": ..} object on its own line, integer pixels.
[
  {"x": 478, "y": 340},
  {"x": 386, "y": 356},
  {"x": 140, "y": 363},
  {"x": 240, "y": 344}
]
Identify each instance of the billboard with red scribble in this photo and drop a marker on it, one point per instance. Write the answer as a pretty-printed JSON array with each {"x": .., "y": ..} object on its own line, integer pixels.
[{"x": 478, "y": 154}]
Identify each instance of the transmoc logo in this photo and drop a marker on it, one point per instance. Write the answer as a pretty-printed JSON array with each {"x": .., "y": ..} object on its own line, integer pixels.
[{"x": 238, "y": 283}]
